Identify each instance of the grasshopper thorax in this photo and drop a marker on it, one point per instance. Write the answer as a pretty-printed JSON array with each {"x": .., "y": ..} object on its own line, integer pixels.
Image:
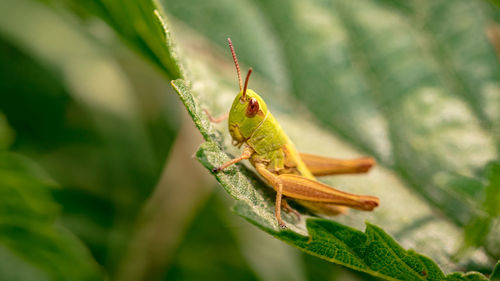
[{"x": 246, "y": 115}]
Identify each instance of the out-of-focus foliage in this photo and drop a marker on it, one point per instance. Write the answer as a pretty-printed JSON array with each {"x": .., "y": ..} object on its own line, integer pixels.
[
  {"x": 6, "y": 134},
  {"x": 225, "y": 257},
  {"x": 94, "y": 115},
  {"x": 477, "y": 230},
  {"x": 495, "y": 275},
  {"x": 33, "y": 245},
  {"x": 414, "y": 84},
  {"x": 135, "y": 23}
]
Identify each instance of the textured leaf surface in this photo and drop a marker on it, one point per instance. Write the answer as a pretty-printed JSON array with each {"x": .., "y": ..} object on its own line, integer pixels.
[
  {"x": 395, "y": 217},
  {"x": 421, "y": 235},
  {"x": 372, "y": 78},
  {"x": 373, "y": 252},
  {"x": 33, "y": 246},
  {"x": 402, "y": 82}
]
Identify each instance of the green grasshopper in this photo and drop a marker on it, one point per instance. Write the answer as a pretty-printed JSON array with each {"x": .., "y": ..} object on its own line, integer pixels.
[{"x": 290, "y": 173}]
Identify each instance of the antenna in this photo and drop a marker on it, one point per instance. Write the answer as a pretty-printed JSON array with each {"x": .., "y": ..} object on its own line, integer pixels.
[
  {"x": 243, "y": 96},
  {"x": 235, "y": 62}
]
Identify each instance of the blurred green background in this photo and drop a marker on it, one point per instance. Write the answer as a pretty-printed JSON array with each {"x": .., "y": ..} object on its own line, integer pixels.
[{"x": 97, "y": 175}]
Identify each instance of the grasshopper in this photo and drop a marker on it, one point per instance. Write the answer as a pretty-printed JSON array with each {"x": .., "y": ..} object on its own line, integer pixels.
[{"x": 290, "y": 173}]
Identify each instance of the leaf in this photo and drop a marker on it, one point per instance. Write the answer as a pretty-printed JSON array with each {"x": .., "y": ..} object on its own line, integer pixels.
[
  {"x": 31, "y": 240},
  {"x": 496, "y": 2},
  {"x": 6, "y": 133},
  {"x": 495, "y": 275},
  {"x": 492, "y": 190},
  {"x": 257, "y": 206},
  {"x": 104, "y": 108},
  {"x": 373, "y": 252},
  {"x": 261, "y": 211},
  {"x": 140, "y": 28},
  {"x": 481, "y": 226},
  {"x": 395, "y": 80},
  {"x": 398, "y": 83},
  {"x": 411, "y": 148},
  {"x": 36, "y": 92},
  {"x": 226, "y": 262}
]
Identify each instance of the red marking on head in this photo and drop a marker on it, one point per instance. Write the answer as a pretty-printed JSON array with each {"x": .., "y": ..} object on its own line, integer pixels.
[{"x": 252, "y": 108}]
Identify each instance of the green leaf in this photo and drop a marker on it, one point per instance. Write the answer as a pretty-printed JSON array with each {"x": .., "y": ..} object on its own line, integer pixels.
[
  {"x": 481, "y": 226},
  {"x": 374, "y": 82},
  {"x": 492, "y": 191},
  {"x": 31, "y": 87},
  {"x": 394, "y": 80},
  {"x": 226, "y": 262},
  {"x": 373, "y": 252},
  {"x": 31, "y": 241},
  {"x": 135, "y": 24},
  {"x": 495, "y": 275},
  {"x": 257, "y": 205},
  {"x": 106, "y": 109},
  {"x": 496, "y": 2},
  {"x": 399, "y": 83},
  {"x": 6, "y": 133}
]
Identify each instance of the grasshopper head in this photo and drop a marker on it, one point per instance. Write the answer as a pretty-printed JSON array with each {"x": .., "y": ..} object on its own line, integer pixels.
[
  {"x": 248, "y": 110},
  {"x": 247, "y": 113}
]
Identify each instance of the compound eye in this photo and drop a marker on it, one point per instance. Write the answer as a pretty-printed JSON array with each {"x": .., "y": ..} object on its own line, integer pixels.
[{"x": 252, "y": 108}]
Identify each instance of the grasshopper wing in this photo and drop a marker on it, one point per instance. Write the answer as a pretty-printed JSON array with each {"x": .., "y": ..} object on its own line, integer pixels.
[{"x": 324, "y": 166}]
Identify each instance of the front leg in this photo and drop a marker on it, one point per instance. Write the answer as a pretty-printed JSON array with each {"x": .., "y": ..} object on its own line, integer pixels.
[
  {"x": 216, "y": 119},
  {"x": 247, "y": 153}
]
